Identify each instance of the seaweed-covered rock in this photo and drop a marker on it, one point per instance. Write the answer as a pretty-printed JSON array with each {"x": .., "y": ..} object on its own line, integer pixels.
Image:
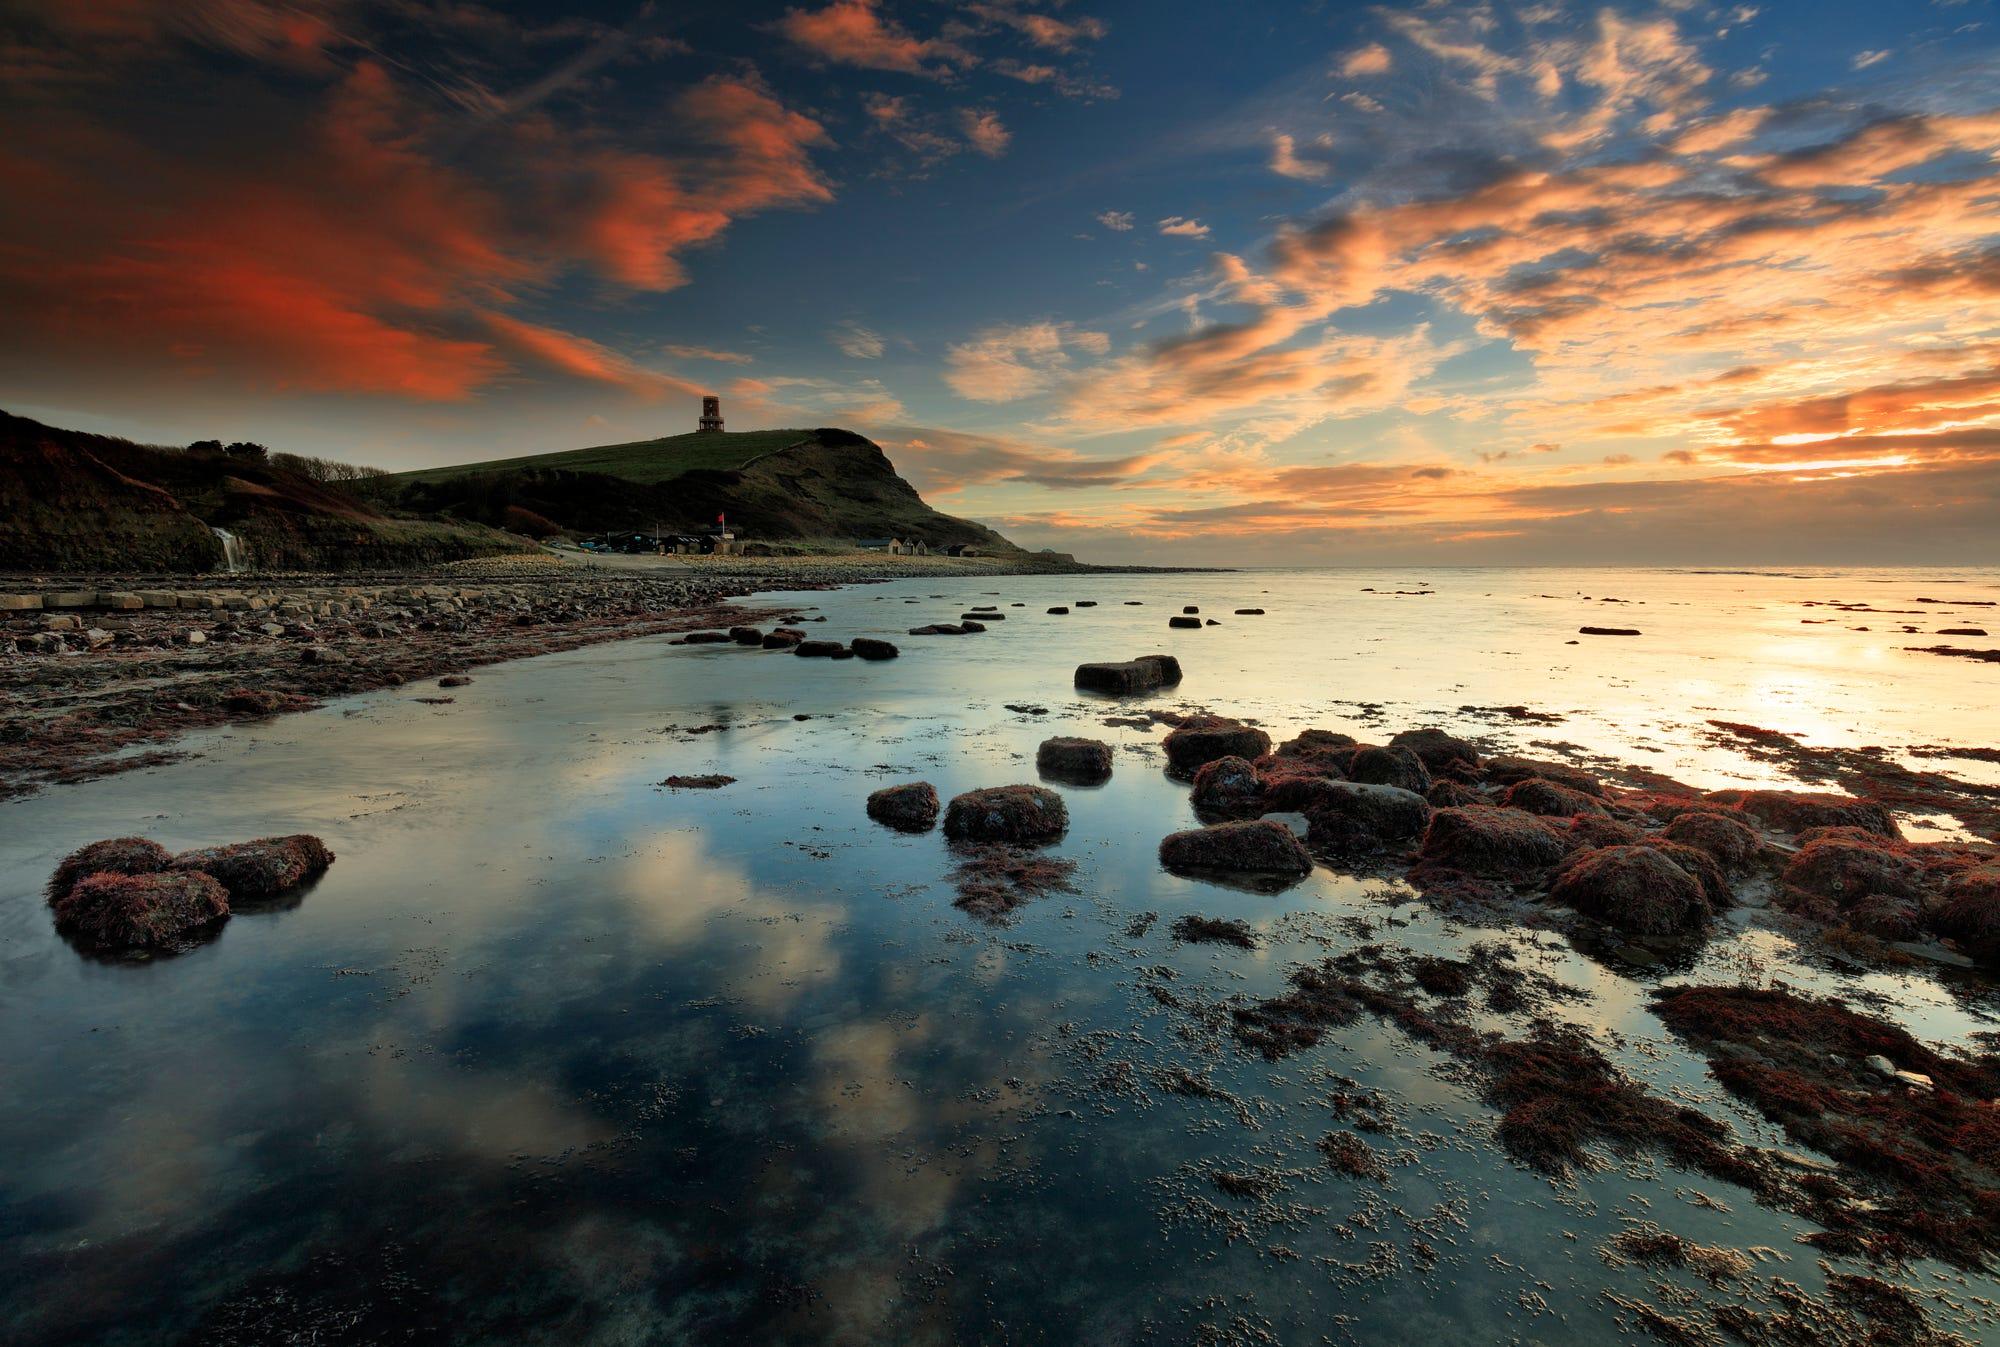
[
  {"x": 1506, "y": 769},
  {"x": 1227, "y": 785},
  {"x": 147, "y": 911},
  {"x": 1968, "y": 911},
  {"x": 1539, "y": 795},
  {"x": 1325, "y": 746},
  {"x": 1492, "y": 842},
  {"x": 114, "y": 855},
  {"x": 911, "y": 807},
  {"x": 1795, "y": 811},
  {"x": 1209, "y": 738},
  {"x": 783, "y": 638},
  {"x": 1701, "y": 867},
  {"x": 1438, "y": 749},
  {"x": 1587, "y": 830},
  {"x": 1637, "y": 889},
  {"x": 1006, "y": 814},
  {"x": 1351, "y": 817},
  {"x": 1734, "y": 843},
  {"x": 706, "y": 638},
  {"x": 1071, "y": 759},
  {"x": 1845, "y": 864},
  {"x": 1446, "y": 793},
  {"x": 263, "y": 868},
  {"x": 746, "y": 636},
  {"x": 869, "y": 647},
  {"x": 1249, "y": 846},
  {"x": 1400, "y": 767}
]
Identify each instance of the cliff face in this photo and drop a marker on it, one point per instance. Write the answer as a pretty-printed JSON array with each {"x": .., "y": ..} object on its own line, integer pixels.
[
  {"x": 824, "y": 483},
  {"x": 72, "y": 501}
]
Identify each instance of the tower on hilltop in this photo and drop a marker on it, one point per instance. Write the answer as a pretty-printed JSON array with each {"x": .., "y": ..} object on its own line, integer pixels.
[{"x": 711, "y": 413}]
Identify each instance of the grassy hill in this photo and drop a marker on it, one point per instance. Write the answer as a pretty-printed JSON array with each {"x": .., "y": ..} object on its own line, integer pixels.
[
  {"x": 776, "y": 485},
  {"x": 644, "y": 461},
  {"x": 76, "y": 502}
]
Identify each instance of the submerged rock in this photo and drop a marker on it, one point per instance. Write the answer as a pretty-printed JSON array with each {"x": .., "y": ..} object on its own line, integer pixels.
[
  {"x": 1492, "y": 842},
  {"x": 134, "y": 912},
  {"x": 819, "y": 649},
  {"x": 1205, "y": 740},
  {"x": 1073, "y": 759},
  {"x": 1006, "y": 814},
  {"x": 910, "y": 808},
  {"x": 746, "y": 636},
  {"x": 706, "y": 638},
  {"x": 1635, "y": 888},
  {"x": 1251, "y": 846},
  {"x": 263, "y": 868},
  {"x": 868, "y": 647},
  {"x": 783, "y": 638}
]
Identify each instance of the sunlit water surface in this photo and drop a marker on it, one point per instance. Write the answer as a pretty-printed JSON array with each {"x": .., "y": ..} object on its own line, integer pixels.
[{"x": 555, "y": 1055}]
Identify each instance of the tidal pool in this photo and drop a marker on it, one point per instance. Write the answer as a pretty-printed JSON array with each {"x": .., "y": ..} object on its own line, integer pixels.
[{"x": 553, "y": 1054}]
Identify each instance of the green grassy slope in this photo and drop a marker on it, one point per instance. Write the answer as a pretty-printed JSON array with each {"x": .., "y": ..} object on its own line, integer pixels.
[{"x": 642, "y": 461}]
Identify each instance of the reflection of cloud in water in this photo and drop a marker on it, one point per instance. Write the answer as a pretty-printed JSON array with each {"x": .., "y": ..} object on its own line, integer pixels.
[
  {"x": 490, "y": 1115},
  {"x": 679, "y": 890}
]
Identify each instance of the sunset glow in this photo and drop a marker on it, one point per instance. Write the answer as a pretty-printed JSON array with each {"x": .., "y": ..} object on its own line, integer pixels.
[{"x": 1442, "y": 283}]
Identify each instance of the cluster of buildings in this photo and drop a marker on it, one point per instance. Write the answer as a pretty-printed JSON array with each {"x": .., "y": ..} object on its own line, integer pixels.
[{"x": 916, "y": 547}]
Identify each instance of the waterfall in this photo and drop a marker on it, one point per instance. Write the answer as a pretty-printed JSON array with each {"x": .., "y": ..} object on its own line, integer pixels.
[{"x": 232, "y": 551}]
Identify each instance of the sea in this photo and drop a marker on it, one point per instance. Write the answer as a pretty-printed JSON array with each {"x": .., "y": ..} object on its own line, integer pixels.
[{"x": 557, "y": 1054}]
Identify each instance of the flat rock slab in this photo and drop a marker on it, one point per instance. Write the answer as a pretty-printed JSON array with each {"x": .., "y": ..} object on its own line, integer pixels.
[
  {"x": 1145, "y": 674},
  {"x": 1609, "y": 631}
]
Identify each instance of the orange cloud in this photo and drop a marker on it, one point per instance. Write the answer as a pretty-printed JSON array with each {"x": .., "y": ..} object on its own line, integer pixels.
[
  {"x": 337, "y": 228},
  {"x": 853, "y": 32}
]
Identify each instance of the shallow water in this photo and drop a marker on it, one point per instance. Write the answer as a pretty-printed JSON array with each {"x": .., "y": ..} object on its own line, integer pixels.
[{"x": 555, "y": 1055}]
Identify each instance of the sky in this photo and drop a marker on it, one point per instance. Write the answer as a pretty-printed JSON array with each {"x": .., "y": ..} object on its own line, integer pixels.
[{"x": 1245, "y": 283}]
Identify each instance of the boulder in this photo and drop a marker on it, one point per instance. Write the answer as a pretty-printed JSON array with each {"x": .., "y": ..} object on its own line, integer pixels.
[
  {"x": 262, "y": 868},
  {"x": 1506, "y": 769},
  {"x": 1070, "y": 759},
  {"x": 1249, "y": 612},
  {"x": 1209, "y": 738},
  {"x": 910, "y": 808},
  {"x": 116, "y": 911},
  {"x": 706, "y": 638},
  {"x": 868, "y": 647},
  {"x": 1968, "y": 912},
  {"x": 1086, "y": 603},
  {"x": 1492, "y": 842},
  {"x": 1795, "y": 811},
  {"x": 1144, "y": 674},
  {"x": 1006, "y": 814},
  {"x": 982, "y": 617},
  {"x": 783, "y": 638},
  {"x": 1637, "y": 889},
  {"x": 1184, "y": 622},
  {"x": 1191, "y": 608},
  {"x": 1059, "y": 611},
  {"x": 1734, "y": 843},
  {"x": 1228, "y": 785},
  {"x": 1438, "y": 749},
  {"x": 1399, "y": 767},
  {"x": 1327, "y": 747},
  {"x": 1538, "y": 795},
  {"x": 1250, "y": 846},
  {"x": 448, "y": 681},
  {"x": 1703, "y": 868},
  {"x": 1445, "y": 793},
  {"x": 115, "y": 855},
  {"x": 819, "y": 649},
  {"x": 938, "y": 629},
  {"x": 1352, "y": 817},
  {"x": 968, "y": 628},
  {"x": 746, "y": 636},
  {"x": 1844, "y": 865}
]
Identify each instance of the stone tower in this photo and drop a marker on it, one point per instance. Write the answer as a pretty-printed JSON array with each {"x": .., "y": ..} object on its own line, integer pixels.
[{"x": 711, "y": 413}]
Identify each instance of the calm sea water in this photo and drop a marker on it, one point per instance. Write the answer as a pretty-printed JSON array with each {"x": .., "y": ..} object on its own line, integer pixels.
[{"x": 554, "y": 1055}]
